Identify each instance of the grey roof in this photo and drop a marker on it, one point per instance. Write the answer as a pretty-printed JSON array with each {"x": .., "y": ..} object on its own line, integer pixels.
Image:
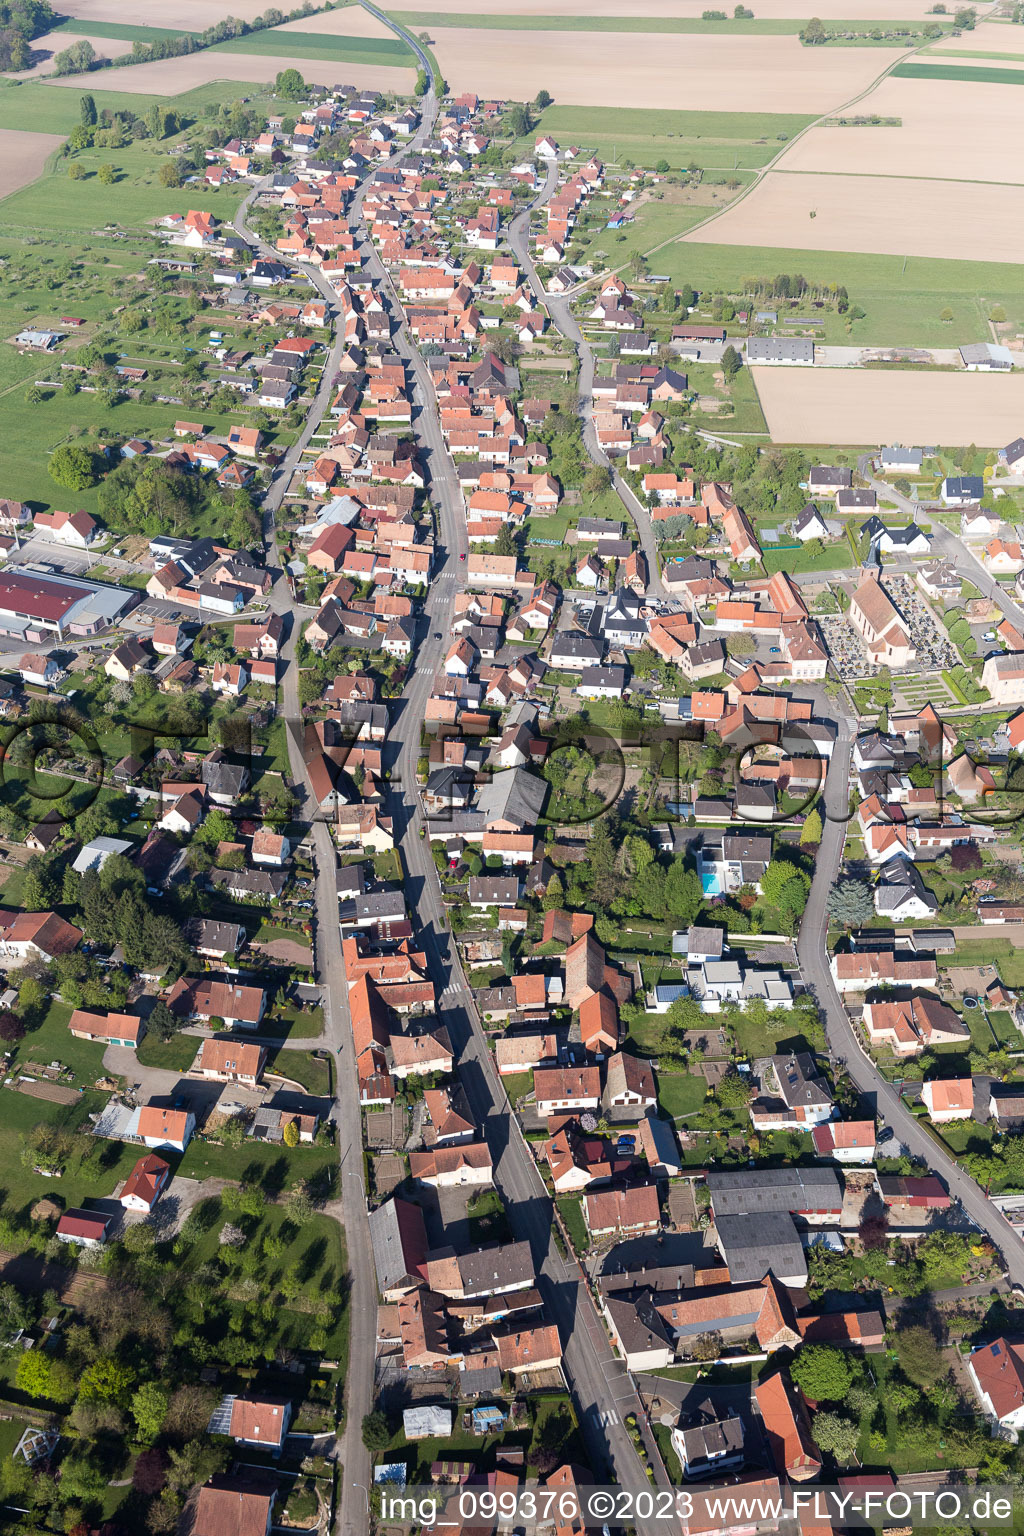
[
  {"x": 494, "y": 890},
  {"x": 901, "y": 883},
  {"x": 513, "y": 795},
  {"x": 222, "y": 777},
  {"x": 637, "y": 1323},
  {"x": 209, "y": 933},
  {"x": 714, "y": 1438},
  {"x": 753, "y": 1245},
  {"x": 799, "y": 1083},
  {"x": 773, "y": 1190},
  {"x": 389, "y": 1253},
  {"x": 496, "y": 1269},
  {"x": 248, "y": 882},
  {"x": 779, "y": 349}
]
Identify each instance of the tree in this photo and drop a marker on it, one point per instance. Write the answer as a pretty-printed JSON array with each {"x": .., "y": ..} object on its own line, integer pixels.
[
  {"x": 850, "y": 903},
  {"x": 87, "y": 106},
  {"x": 169, "y": 175},
  {"x": 33, "y": 1373},
  {"x": 11, "y": 1027},
  {"x": 106, "y": 1380},
  {"x": 290, "y": 83},
  {"x": 814, "y": 33},
  {"x": 376, "y": 1431},
  {"x": 920, "y": 1357},
  {"x": 554, "y": 896},
  {"x": 72, "y": 466},
  {"x": 14, "y": 1313},
  {"x": 707, "y": 1346},
  {"x": 810, "y": 832},
  {"x": 107, "y": 175},
  {"x": 837, "y": 1434},
  {"x": 662, "y": 167},
  {"x": 149, "y": 1408},
  {"x": 542, "y": 99},
  {"x": 149, "y": 1474},
  {"x": 731, "y": 362},
  {"x": 822, "y": 1373},
  {"x": 684, "y": 895},
  {"x": 76, "y": 171},
  {"x": 965, "y": 856},
  {"x": 778, "y": 883},
  {"x": 946, "y": 315},
  {"x": 732, "y": 1091},
  {"x": 290, "y": 1135},
  {"x": 874, "y": 1231}
]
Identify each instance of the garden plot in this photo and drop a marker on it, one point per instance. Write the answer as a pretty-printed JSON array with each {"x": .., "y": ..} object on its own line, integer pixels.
[
  {"x": 896, "y": 216},
  {"x": 960, "y": 130},
  {"x": 696, "y": 71},
  {"x": 867, "y": 406}
]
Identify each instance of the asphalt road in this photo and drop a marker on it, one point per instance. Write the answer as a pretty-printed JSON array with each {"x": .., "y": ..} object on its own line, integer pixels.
[
  {"x": 844, "y": 1040},
  {"x": 559, "y": 308}
]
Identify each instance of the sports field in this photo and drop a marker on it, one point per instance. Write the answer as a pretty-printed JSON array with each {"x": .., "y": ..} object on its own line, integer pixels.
[
  {"x": 893, "y": 215},
  {"x": 660, "y": 70},
  {"x": 849, "y": 405}
]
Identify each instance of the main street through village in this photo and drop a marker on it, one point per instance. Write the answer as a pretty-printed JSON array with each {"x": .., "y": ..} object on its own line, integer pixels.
[{"x": 603, "y": 1389}]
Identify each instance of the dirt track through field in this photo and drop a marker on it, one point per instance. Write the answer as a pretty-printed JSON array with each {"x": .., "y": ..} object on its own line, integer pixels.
[
  {"x": 170, "y": 77},
  {"x": 23, "y": 156},
  {"x": 701, "y": 72},
  {"x": 893, "y": 216},
  {"x": 867, "y": 406}
]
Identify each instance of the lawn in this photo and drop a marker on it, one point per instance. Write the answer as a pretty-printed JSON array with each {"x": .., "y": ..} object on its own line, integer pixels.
[
  {"x": 175, "y": 1055},
  {"x": 755, "y": 1040},
  {"x": 516, "y": 1084},
  {"x": 488, "y": 1222},
  {"x": 89, "y": 1175},
  {"x": 900, "y": 297},
  {"x": 681, "y": 1093},
  {"x": 985, "y": 951},
  {"x": 257, "y": 1162},
  {"x": 313, "y": 1071},
  {"x": 571, "y": 1210}
]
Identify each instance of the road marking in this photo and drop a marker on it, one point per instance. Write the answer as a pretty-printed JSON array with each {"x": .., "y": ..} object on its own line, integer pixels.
[{"x": 608, "y": 1417}]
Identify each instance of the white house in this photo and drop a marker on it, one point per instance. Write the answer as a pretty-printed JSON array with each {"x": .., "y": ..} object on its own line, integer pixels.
[{"x": 997, "y": 1372}]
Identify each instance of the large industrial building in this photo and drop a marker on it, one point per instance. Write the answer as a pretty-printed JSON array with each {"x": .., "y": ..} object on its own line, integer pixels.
[{"x": 38, "y": 608}]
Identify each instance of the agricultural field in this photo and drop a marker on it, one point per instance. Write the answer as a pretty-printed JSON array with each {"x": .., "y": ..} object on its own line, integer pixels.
[
  {"x": 275, "y": 43},
  {"x": 23, "y": 157},
  {"x": 893, "y": 215},
  {"x": 717, "y": 141},
  {"x": 46, "y": 48},
  {"x": 660, "y": 70},
  {"x": 556, "y": 22},
  {"x": 814, "y": 405},
  {"x": 169, "y": 77},
  {"x": 578, "y": 13},
  {"x": 186, "y": 15},
  {"x": 959, "y": 130},
  {"x": 36, "y": 106}
]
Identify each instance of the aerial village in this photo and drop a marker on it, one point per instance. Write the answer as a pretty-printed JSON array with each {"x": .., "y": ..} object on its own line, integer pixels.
[{"x": 493, "y": 797}]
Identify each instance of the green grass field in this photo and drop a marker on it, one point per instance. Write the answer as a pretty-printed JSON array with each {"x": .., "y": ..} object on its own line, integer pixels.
[
  {"x": 32, "y": 105},
  {"x": 681, "y": 1093},
  {"x": 713, "y": 140},
  {"x": 321, "y": 45},
  {"x": 993, "y": 76},
  {"x": 753, "y": 26},
  {"x": 122, "y": 31},
  {"x": 902, "y": 297},
  {"x": 969, "y": 53}
]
